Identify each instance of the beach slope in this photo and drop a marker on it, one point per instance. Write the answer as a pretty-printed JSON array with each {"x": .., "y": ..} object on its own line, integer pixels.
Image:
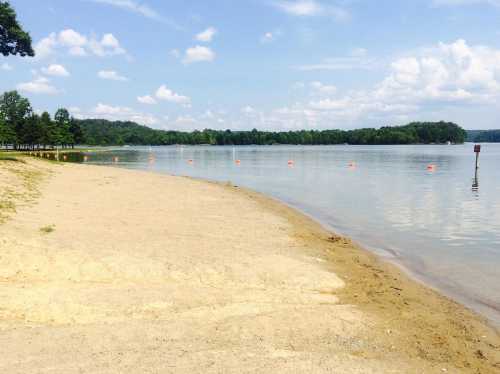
[{"x": 105, "y": 270}]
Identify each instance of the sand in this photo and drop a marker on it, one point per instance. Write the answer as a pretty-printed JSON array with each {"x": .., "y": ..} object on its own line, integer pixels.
[{"x": 105, "y": 270}]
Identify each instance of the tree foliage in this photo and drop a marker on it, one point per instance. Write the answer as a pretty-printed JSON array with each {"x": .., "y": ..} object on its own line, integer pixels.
[
  {"x": 483, "y": 136},
  {"x": 13, "y": 39},
  {"x": 103, "y": 132},
  {"x": 21, "y": 129}
]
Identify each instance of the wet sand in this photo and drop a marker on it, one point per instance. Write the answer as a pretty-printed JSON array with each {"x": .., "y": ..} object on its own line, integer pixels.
[{"x": 106, "y": 270}]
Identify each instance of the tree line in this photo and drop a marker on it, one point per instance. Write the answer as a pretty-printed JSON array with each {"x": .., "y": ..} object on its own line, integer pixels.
[
  {"x": 483, "y": 136},
  {"x": 103, "y": 132},
  {"x": 22, "y": 129}
]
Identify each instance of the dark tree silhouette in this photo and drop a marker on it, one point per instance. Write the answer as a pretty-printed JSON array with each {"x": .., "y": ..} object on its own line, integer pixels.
[{"x": 13, "y": 39}]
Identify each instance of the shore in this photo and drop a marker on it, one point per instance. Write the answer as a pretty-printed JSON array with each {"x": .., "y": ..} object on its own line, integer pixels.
[{"x": 111, "y": 270}]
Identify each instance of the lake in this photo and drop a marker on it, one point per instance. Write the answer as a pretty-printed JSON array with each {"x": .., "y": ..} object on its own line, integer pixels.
[{"x": 413, "y": 205}]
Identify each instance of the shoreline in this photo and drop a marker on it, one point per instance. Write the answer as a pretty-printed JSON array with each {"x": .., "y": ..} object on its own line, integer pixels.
[
  {"x": 416, "y": 275},
  {"x": 407, "y": 320}
]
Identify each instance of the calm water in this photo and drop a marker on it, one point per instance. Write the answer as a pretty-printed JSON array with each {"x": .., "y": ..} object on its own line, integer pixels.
[{"x": 430, "y": 221}]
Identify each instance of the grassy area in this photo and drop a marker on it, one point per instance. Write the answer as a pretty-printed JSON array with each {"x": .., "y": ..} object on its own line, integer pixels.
[{"x": 10, "y": 156}]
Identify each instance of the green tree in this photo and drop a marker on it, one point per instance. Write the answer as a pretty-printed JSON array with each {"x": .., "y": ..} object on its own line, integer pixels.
[
  {"x": 31, "y": 133},
  {"x": 48, "y": 130},
  {"x": 76, "y": 132},
  {"x": 13, "y": 39},
  {"x": 62, "y": 120},
  {"x": 14, "y": 109}
]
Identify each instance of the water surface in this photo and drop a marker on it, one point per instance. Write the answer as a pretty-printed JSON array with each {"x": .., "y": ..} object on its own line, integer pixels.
[{"x": 431, "y": 221}]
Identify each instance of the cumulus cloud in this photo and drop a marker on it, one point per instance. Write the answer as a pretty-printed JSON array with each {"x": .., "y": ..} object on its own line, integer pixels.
[
  {"x": 39, "y": 85},
  {"x": 111, "y": 75},
  {"x": 118, "y": 113},
  {"x": 207, "y": 35},
  {"x": 198, "y": 54},
  {"x": 147, "y": 99},
  {"x": 311, "y": 8},
  {"x": 77, "y": 44},
  {"x": 446, "y": 75},
  {"x": 454, "y": 72},
  {"x": 166, "y": 94},
  {"x": 56, "y": 71}
]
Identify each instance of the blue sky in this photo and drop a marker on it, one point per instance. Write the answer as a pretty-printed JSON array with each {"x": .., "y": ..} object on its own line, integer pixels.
[{"x": 268, "y": 64}]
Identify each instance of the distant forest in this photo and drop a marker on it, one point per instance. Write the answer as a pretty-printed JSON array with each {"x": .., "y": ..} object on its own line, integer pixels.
[
  {"x": 102, "y": 132},
  {"x": 483, "y": 136},
  {"x": 22, "y": 129}
]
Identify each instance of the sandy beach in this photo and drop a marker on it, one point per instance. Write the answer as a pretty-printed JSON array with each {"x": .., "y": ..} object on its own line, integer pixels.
[{"x": 105, "y": 270}]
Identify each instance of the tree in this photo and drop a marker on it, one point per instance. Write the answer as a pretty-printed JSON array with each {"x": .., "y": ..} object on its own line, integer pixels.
[
  {"x": 13, "y": 39},
  {"x": 14, "y": 109},
  {"x": 49, "y": 134},
  {"x": 63, "y": 127},
  {"x": 7, "y": 135},
  {"x": 76, "y": 132}
]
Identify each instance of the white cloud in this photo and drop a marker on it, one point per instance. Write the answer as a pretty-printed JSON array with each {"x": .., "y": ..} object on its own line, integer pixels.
[
  {"x": 77, "y": 44},
  {"x": 111, "y": 75},
  {"x": 453, "y": 72},
  {"x": 164, "y": 93},
  {"x": 139, "y": 8},
  {"x": 107, "y": 46},
  {"x": 270, "y": 36},
  {"x": 207, "y": 35},
  {"x": 424, "y": 84},
  {"x": 39, "y": 85},
  {"x": 56, "y": 71},
  {"x": 119, "y": 113},
  {"x": 5, "y": 66},
  {"x": 45, "y": 47},
  {"x": 311, "y": 8},
  {"x": 147, "y": 99},
  {"x": 71, "y": 38},
  {"x": 247, "y": 110},
  {"x": 198, "y": 54}
]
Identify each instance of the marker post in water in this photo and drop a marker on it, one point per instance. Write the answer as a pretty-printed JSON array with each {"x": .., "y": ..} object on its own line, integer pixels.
[{"x": 477, "y": 150}]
